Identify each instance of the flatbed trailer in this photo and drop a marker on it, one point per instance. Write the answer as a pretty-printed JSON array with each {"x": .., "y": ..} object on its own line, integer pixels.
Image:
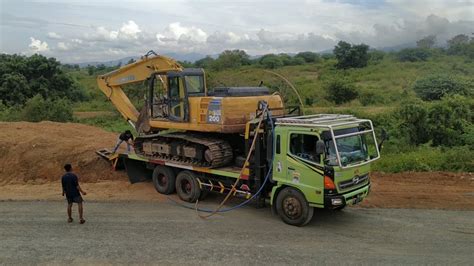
[{"x": 297, "y": 164}]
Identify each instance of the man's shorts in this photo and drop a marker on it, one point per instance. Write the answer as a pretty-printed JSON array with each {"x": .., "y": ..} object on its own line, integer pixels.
[{"x": 77, "y": 199}]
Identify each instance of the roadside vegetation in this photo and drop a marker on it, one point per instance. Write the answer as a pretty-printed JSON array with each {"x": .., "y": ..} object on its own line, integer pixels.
[{"x": 422, "y": 96}]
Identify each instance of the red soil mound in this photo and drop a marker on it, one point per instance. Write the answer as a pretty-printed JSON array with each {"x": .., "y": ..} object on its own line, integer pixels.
[{"x": 36, "y": 152}]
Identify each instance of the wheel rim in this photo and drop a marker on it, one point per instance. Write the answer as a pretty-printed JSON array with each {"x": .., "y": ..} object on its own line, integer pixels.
[
  {"x": 162, "y": 180},
  {"x": 186, "y": 186},
  {"x": 292, "y": 207}
]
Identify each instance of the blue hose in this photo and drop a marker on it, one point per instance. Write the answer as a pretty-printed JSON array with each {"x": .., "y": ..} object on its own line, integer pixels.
[{"x": 253, "y": 196}]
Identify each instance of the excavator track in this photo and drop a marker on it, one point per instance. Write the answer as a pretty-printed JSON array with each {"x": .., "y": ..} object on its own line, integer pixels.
[{"x": 185, "y": 148}]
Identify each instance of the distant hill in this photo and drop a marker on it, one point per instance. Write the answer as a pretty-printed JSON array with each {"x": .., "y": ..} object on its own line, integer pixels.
[{"x": 191, "y": 57}]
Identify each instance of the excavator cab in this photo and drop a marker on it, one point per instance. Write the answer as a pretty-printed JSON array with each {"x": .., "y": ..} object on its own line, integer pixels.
[{"x": 169, "y": 98}]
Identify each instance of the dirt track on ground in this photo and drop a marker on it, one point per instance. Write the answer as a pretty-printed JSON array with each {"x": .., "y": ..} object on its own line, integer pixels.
[{"x": 32, "y": 156}]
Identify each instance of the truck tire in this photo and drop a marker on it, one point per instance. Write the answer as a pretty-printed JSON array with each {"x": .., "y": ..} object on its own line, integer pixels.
[
  {"x": 187, "y": 186},
  {"x": 293, "y": 208},
  {"x": 164, "y": 179}
]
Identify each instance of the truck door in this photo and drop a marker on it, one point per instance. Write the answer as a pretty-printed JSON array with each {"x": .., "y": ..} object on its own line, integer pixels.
[
  {"x": 178, "y": 102},
  {"x": 304, "y": 166}
]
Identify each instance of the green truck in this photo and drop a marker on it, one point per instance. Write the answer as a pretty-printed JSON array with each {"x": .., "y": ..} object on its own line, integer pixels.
[{"x": 297, "y": 163}]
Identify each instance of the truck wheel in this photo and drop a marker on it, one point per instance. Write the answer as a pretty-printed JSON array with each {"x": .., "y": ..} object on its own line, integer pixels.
[
  {"x": 293, "y": 208},
  {"x": 187, "y": 186},
  {"x": 164, "y": 179}
]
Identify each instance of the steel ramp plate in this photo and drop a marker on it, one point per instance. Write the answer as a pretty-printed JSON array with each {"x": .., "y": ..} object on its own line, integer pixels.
[{"x": 107, "y": 154}]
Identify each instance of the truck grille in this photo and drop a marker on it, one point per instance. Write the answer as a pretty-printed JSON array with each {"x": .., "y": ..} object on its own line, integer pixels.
[{"x": 355, "y": 181}]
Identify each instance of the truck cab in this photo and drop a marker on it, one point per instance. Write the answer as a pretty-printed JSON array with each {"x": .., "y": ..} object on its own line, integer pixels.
[{"x": 321, "y": 161}]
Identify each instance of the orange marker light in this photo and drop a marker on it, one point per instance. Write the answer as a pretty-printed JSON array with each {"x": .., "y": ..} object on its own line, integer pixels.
[{"x": 328, "y": 183}]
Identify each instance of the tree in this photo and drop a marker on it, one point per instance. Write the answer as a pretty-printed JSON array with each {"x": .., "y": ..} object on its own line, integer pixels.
[
  {"x": 309, "y": 57},
  {"x": 23, "y": 77},
  {"x": 427, "y": 42},
  {"x": 449, "y": 120},
  {"x": 205, "y": 62},
  {"x": 231, "y": 59},
  {"x": 14, "y": 89},
  {"x": 376, "y": 56},
  {"x": 461, "y": 45},
  {"x": 340, "y": 91},
  {"x": 90, "y": 70},
  {"x": 413, "y": 54},
  {"x": 351, "y": 56},
  {"x": 434, "y": 87},
  {"x": 413, "y": 122},
  {"x": 460, "y": 39},
  {"x": 271, "y": 61}
]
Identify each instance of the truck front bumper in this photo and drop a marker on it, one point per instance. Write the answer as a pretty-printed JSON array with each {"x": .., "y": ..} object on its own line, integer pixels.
[{"x": 339, "y": 201}]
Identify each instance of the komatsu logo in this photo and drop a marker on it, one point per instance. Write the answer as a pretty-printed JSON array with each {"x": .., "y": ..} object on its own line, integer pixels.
[{"x": 126, "y": 79}]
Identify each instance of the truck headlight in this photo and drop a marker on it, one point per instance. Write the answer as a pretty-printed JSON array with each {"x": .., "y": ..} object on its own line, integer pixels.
[{"x": 336, "y": 202}]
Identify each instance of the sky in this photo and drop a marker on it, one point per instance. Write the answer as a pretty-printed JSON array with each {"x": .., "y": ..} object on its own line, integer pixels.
[{"x": 86, "y": 31}]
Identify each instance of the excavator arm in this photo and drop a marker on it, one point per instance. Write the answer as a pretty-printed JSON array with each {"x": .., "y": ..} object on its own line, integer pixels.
[{"x": 111, "y": 83}]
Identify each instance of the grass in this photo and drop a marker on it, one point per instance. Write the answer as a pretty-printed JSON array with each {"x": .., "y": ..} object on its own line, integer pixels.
[
  {"x": 426, "y": 158},
  {"x": 114, "y": 123}
]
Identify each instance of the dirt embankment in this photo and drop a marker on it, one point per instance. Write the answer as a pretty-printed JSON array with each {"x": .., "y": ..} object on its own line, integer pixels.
[
  {"x": 427, "y": 190},
  {"x": 32, "y": 156},
  {"x": 36, "y": 152}
]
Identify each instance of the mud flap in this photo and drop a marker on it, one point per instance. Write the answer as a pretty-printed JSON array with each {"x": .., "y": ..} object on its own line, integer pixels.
[{"x": 137, "y": 171}]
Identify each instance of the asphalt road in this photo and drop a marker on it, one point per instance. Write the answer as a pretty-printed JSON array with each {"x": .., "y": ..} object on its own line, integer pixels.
[{"x": 134, "y": 232}]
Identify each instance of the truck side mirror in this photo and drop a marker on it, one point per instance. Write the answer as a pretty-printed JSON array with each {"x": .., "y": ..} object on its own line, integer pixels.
[
  {"x": 320, "y": 147},
  {"x": 384, "y": 137}
]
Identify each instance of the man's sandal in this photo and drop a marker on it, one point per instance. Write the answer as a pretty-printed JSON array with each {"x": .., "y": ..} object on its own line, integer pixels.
[
  {"x": 69, "y": 220},
  {"x": 82, "y": 221}
]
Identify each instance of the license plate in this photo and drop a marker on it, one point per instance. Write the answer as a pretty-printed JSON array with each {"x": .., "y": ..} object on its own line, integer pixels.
[{"x": 357, "y": 200}]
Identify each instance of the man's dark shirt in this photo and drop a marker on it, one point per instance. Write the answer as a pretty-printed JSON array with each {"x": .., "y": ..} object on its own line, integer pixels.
[
  {"x": 70, "y": 183},
  {"x": 126, "y": 136}
]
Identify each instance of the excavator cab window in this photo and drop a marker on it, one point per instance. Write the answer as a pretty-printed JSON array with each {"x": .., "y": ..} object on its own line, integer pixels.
[{"x": 194, "y": 85}]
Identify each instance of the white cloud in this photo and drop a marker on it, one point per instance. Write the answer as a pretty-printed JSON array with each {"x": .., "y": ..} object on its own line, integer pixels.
[
  {"x": 54, "y": 35},
  {"x": 130, "y": 30},
  {"x": 176, "y": 32},
  {"x": 38, "y": 46},
  {"x": 63, "y": 46}
]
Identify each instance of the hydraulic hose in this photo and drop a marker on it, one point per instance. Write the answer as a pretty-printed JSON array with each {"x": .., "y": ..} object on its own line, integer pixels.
[{"x": 267, "y": 177}]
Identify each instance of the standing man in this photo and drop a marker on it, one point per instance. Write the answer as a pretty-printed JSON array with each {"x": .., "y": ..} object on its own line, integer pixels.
[
  {"x": 73, "y": 191},
  {"x": 126, "y": 136}
]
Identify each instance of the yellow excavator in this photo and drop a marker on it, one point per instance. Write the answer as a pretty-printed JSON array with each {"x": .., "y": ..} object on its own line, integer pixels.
[{"x": 207, "y": 125}]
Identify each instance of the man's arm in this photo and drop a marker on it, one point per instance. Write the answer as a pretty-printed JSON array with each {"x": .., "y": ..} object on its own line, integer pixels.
[
  {"x": 79, "y": 187},
  {"x": 80, "y": 190}
]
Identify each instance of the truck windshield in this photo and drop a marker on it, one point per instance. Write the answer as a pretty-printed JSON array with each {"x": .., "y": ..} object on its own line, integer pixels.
[{"x": 352, "y": 149}]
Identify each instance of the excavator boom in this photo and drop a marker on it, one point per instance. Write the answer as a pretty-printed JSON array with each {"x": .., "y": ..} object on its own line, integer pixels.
[{"x": 111, "y": 83}]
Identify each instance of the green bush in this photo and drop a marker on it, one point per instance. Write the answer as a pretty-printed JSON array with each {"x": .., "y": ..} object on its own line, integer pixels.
[
  {"x": 109, "y": 123},
  {"x": 413, "y": 54},
  {"x": 434, "y": 87},
  {"x": 426, "y": 158},
  {"x": 450, "y": 120},
  {"x": 37, "y": 109},
  {"x": 351, "y": 56},
  {"x": 370, "y": 98},
  {"x": 413, "y": 122},
  {"x": 340, "y": 91},
  {"x": 271, "y": 61},
  {"x": 308, "y": 57}
]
